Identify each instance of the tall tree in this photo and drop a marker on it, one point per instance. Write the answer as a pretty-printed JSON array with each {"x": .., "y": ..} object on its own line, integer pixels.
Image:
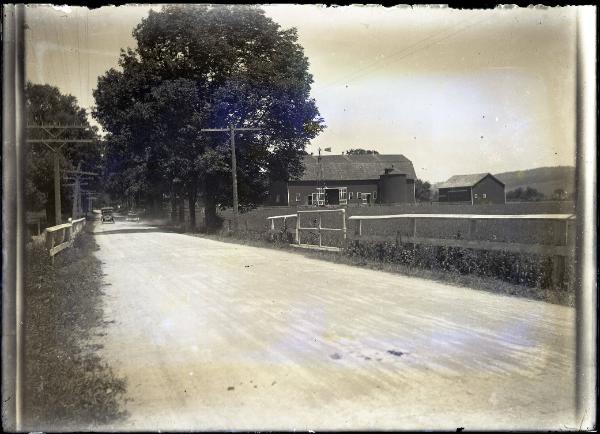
[
  {"x": 46, "y": 105},
  {"x": 528, "y": 194},
  {"x": 422, "y": 191},
  {"x": 200, "y": 67}
]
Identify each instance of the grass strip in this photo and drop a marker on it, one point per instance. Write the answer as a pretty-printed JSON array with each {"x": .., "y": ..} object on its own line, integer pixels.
[{"x": 67, "y": 385}]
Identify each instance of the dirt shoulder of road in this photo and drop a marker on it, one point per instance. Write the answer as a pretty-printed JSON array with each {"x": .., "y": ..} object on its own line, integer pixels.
[
  {"x": 68, "y": 387},
  {"x": 488, "y": 284}
]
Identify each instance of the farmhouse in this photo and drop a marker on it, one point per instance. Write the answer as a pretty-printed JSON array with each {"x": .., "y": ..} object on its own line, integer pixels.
[
  {"x": 350, "y": 179},
  {"x": 479, "y": 188}
]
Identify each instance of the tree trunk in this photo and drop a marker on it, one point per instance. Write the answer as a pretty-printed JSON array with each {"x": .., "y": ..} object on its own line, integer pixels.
[
  {"x": 192, "y": 207},
  {"x": 181, "y": 208},
  {"x": 211, "y": 220},
  {"x": 50, "y": 217},
  {"x": 173, "y": 207}
]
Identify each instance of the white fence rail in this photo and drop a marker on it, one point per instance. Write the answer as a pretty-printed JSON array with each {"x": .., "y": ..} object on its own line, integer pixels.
[
  {"x": 319, "y": 228},
  {"x": 277, "y": 217},
  {"x": 558, "y": 248},
  {"x": 62, "y": 236}
]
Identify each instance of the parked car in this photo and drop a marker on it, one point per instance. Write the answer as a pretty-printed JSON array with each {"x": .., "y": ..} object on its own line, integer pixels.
[
  {"x": 107, "y": 215},
  {"x": 132, "y": 216}
]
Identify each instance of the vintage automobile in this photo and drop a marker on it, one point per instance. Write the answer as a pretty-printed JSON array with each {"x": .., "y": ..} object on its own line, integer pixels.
[
  {"x": 107, "y": 215},
  {"x": 132, "y": 216}
]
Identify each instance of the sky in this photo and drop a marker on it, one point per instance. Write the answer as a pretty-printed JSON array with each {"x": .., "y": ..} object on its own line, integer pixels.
[{"x": 455, "y": 91}]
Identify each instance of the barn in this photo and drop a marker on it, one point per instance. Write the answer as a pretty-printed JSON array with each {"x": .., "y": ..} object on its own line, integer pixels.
[
  {"x": 349, "y": 179},
  {"x": 476, "y": 189}
]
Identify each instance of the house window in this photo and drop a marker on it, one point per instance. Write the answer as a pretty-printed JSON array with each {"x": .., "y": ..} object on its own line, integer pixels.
[
  {"x": 359, "y": 195},
  {"x": 343, "y": 195},
  {"x": 309, "y": 199},
  {"x": 484, "y": 195},
  {"x": 374, "y": 195},
  {"x": 475, "y": 196},
  {"x": 277, "y": 198},
  {"x": 297, "y": 197},
  {"x": 319, "y": 197},
  {"x": 351, "y": 195}
]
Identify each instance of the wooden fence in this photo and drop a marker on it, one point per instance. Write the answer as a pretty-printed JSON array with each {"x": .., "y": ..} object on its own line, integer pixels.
[
  {"x": 319, "y": 228},
  {"x": 558, "y": 248},
  {"x": 62, "y": 236}
]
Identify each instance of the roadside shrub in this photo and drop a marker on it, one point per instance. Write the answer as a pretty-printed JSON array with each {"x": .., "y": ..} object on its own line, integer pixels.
[{"x": 527, "y": 270}]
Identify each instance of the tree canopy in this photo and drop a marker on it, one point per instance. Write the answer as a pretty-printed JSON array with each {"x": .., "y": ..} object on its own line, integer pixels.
[
  {"x": 528, "y": 194},
  {"x": 46, "y": 105},
  {"x": 195, "y": 67},
  {"x": 422, "y": 191}
]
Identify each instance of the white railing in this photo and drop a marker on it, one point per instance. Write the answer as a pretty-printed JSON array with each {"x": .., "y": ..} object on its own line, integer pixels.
[
  {"x": 319, "y": 226},
  {"x": 277, "y": 217},
  {"x": 60, "y": 237},
  {"x": 558, "y": 248},
  {"x": 78, "y": 225}
]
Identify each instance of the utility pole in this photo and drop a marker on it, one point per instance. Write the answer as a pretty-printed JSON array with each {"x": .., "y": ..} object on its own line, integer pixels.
[
  {"x": 90, "y": 195},
  {"x": 232, "y": 130},
  {"x": 77, "y": 176},
  {"x": 54, "y": 131}
]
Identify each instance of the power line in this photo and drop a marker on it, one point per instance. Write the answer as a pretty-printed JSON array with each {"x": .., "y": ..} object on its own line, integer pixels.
[
  {"x": 352, "y": 74},
  {"x": 78, "y": 52},
  {"x": 87, "y": 45},
  {"x": 411, "y": 50}
]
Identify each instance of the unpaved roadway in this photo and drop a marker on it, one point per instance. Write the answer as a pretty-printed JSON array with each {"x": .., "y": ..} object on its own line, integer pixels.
[{"x": 213, "y": 335}]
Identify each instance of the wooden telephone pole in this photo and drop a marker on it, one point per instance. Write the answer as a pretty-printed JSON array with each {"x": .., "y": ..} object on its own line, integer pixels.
[
  {"x": 77, "y": 177},
  {"x": 54, "y": 132},
  {"x": 232, "y": 130},
  {"x": 90, "y": 195}
]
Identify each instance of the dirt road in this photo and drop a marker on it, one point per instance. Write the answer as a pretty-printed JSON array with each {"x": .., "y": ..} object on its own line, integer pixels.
[{"x": 213, "y": 335}]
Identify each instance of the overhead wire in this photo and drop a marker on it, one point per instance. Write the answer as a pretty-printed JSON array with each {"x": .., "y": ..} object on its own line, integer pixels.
[{"x": 407, "y": 51}]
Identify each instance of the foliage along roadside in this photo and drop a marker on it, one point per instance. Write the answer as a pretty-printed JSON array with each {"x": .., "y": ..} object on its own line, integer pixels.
[{"x": 68, "y": 386}]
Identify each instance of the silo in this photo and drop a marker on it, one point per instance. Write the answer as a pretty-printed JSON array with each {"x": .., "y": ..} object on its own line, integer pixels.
[{"x": 392, "y": 187}]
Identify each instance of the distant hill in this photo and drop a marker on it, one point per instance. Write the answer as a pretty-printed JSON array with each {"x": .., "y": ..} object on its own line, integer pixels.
[{"x": 543, "y": 179}]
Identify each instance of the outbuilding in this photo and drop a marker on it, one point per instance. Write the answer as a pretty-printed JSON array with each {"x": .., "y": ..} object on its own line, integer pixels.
[
  {"x": 350, "y": 179},
  {"x": 476, "y": 189}
]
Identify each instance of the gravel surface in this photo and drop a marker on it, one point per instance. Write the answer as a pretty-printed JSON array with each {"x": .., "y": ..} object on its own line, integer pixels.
[{"x": 223, "y": 336}]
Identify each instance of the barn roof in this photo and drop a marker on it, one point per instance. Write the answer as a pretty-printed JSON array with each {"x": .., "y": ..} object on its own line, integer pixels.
[
  {"x": 465, "y": 180},
  {"x": 355, "y": 167}
]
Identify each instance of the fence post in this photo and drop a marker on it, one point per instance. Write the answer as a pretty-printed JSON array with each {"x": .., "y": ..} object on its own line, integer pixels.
[
  {"x": 320, "y": 243},
  {"x": 49, "y": 240},
  {"x": 298, "y": 228},
  {"x": 344, "y": 222},
  {"x": 272, "y": 224}
]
